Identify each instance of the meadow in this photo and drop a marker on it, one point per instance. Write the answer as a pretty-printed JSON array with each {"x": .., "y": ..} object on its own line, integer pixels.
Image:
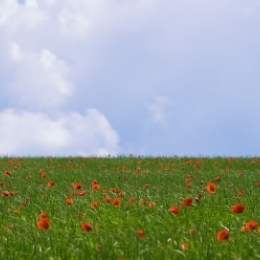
[{"x": 127, "y": 208}]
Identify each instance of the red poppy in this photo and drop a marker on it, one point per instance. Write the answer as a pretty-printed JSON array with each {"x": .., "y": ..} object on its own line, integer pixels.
[
  {"x": 50, "y": 184},
  {"x": 43, "y": 223},
  {"x": 70, "y": 201},
  {"x": 251, "y": 225},
  {"x": 43, "y": 214},
  {"x": 95, "y": 205},
  {"x": 131, "y": 199},
  {"x": 187, "y": 202},
  {"x": 151, "y": 205},
  {"x": 175, "y": 210},
  {"x": 5, "y": 193},
  {"x": 217, "y": 178},
  {"x": 141, "y": 234},
  {"x": 143, "y": 202},
  {"x": 146, "y": 186},
  {"x": 82, "y": 193},
  {"x": 117, "y": 202},
  {"x": 211, "y": 188},
  {"x": 95, "y": 187},
  {"x": 7, "y": 173},
  {"x": 77, "y": 186},
  {"x": 108, "y": 199},
  {"x": 223, "y": 235},
  {"x": 184, "y": 246},
  {"x": 238, "y": 208},
  {"x": 86, "y": 227}
]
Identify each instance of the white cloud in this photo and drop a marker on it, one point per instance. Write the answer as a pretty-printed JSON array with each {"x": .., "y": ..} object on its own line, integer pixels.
[
  {"x": 41, "y": 80},
  {"x": 158, "y": 110},
  {"x": 36, "y": 134}
]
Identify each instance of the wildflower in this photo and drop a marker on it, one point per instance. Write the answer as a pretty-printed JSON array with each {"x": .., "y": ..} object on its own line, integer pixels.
[
  {"x": 250, "y": 226},
  {"x": 43, "y": 214},
  {"x": 77, "y": 186},
  {"x": 131, "y": 199},
  {"x": 50, "y": 184},
  {"x": 187, "y": 202},
  {"x": 217, "y": 178},
  {"x": 95, "y": 187},
  {"x": 184, "y": 246},
  {"x": 70, "y": 201},
  {"x": 86, "y": 227},
  {"x": 94, "y": 182},
  {"x": 223, "y": 235},
  {"x": 238, "y": 208},
  {"x": 140, "y": 234},
  {"x": 7, "y": 173},
  {"x": 43, "y": 175},
  {"x": 5, "y": 193},
  {"x": 175, "y": 210},
  {"x": 117, "y": 202},
  {"x": 43, "y": 223},
  {"x": 13, "y": 193},
  {"x": 146, "y": 186},
  {"x": 151, "y": 205},
  {"x": 143, "y": 202},
  {"x": 192, "y": 231},
  {"x": 211, "y": 188},
  {"x": 82, "y": 193},
  {"x": 108, "y": 199},
  {"x": 240, "y": 193},
  {"x": 95, "y": 205}
]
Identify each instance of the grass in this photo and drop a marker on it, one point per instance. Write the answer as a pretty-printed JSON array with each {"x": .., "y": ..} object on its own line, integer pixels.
[{"x": 141, "y": 227}]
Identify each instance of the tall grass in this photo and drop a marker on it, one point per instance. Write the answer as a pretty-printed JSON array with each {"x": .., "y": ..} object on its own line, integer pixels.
[{"x": 142, "y": 226}]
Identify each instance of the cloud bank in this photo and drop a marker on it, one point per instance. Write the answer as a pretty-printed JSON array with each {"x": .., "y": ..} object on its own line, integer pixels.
[{"x": 145, "y": 77}]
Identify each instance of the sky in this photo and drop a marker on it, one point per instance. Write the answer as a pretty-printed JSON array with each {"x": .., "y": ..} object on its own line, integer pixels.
[{"x": 120, "y": 77}]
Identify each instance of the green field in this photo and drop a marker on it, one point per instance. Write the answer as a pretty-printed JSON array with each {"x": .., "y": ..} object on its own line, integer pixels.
[{"x": 129, "y": 208}]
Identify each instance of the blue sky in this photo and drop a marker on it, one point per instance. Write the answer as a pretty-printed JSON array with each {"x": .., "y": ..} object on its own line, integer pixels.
[{"x": 147, "y": 77}]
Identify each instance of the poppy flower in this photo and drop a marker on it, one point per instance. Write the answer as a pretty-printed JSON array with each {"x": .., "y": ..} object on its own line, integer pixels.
[
  {"x": 240, "y": 193},
  {"x": 250, "y": 226},
  {"x": 50, "y": 184},
  {"x": 82, "y": 193},
  {"x": 143, "y": 202},
  {"x": 223, "y": 235},
  {"x": 184, "y": 246},
  {"x": 95, "y": 187},
  {"x": 108, "y": 199},
  {"x": 5, "y": 193},
  {"x": 95, "y": 205},
  {"x": 7, "y": 173},
  {"x": 211, "y": 188},
  {"x": 141, "y": 234},
  {"x": 187, "y": 202},
  {"x": 146, "y": 186},
  {"x": 13, "y": 193},
  {"x": 217, "y": 178},
  {"x": 94, "y": 182},
  {"x": 117, "y": 202},
  {"x": 131, "y": 199},
  {"x": 43, "y": 175},
  {"x": 175, "y": 210},
  {"x": 43, "y": 223},
  {"x": 238, "y": 208},
  {"x": 151, "y": 205},
  {"x": 86, "y": 227},
  {"x": 77, "y": 186},
  {"x": 70, "y": 201},
  {"x": 43, "y": 214}
]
